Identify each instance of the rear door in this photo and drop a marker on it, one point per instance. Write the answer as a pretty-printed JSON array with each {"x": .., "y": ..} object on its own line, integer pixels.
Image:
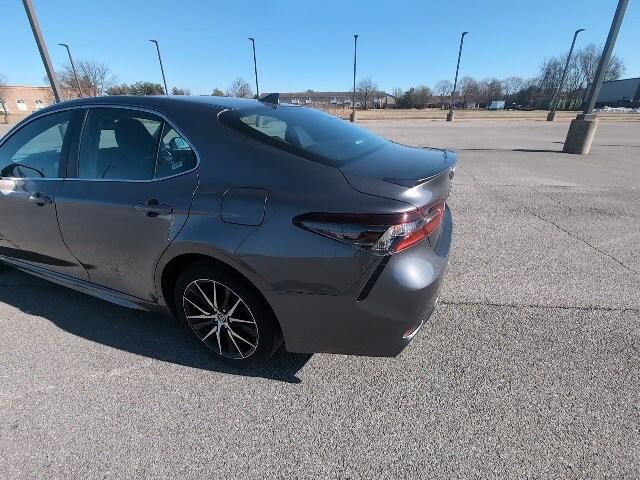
[
  {"x": 32, "y": 165},
  {"x": 135, "y": 176}
]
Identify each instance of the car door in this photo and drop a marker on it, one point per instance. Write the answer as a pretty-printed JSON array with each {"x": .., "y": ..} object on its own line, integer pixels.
[
  {"x": 32, "y": 165},
  {"x": 134, "y": 180}
]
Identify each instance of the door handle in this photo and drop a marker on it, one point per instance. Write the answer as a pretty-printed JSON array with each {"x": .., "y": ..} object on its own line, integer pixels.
[
  {"x": 39, "y": 199},
  {"x": 153, "y": 208}
]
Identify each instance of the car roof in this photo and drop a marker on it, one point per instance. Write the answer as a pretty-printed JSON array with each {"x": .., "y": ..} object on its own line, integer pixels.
[{"x": 160, "y": 102}]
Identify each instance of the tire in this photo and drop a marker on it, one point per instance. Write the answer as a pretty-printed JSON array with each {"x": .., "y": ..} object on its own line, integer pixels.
[{"x": 227, "y": 314}]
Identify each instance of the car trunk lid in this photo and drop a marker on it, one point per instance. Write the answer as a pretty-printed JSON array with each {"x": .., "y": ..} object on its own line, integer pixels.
[{"x": 418, "y": 176}]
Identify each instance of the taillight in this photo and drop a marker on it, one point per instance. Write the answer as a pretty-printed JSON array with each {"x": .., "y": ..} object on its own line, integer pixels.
[{"x": 380, "y": 234}]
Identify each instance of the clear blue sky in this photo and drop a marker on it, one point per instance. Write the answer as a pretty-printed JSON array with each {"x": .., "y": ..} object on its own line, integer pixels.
[{"x": 309, "y": 44}]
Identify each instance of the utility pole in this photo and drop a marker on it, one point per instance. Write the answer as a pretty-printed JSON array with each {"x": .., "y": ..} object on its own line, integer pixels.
[
  {"x": 255, "y": 66},
  {"x": 164, "y": 80},
  {"x": 48, "y": 66},
  {"x": 73, "y": 67},
  {"x": 353, "y": 97},
  {"x": 450, "y": 115},
  {"x": 583, "y": 127},
  {"x": 554, "y": 101}
]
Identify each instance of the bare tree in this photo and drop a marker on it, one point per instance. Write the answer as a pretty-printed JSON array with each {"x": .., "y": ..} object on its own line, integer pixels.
[
  {"x": 366, "y": 90},
  {"x": 443, "y": 89},
  {"x": 511, "y": 85},
  {"x": 422, "y": 96},
  {"x": 582, "y": 69},
  {"x": 240, "y": 88},
  {"x": 469, "y": 90},
  {"x": 95, "y": 79},
  {"x": 588, "y": 60},
  {"x": 495, "y": 89},
  {"x": 397, "y": 94},
  {"x": 217, "y": 92}
]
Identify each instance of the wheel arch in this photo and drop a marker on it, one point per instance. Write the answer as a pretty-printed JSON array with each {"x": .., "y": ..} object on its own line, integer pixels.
[{"x": 172, "y": 266}]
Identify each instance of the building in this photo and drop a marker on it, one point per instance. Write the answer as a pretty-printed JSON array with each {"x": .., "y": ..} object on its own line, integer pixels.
[
  {"x": 619, "y": 93},
  {"x": 337, "y": 100},
  {"x": 20, "y": 100}
]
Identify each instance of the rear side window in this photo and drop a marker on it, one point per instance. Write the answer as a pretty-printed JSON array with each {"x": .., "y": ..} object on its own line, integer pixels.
[
  {"x": 35, "y": 151},
  {"x": 174, "y": 155},
  {"x": 124, "y": 144},
  {"x": 305, "y": 132}
]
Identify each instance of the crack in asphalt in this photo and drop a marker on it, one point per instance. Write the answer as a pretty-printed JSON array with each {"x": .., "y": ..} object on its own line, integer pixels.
[
  {"x": 539, "y": 306},
  {"x": 602, "y": 252},
  {"x": 467, "y": 170}
]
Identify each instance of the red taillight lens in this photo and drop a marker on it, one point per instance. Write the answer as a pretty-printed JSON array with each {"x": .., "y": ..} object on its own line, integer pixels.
[{"x": 379, "y": 234}]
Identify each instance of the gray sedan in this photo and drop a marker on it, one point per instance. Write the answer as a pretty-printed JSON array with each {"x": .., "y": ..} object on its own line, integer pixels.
[{"x": 256, "y": 223}]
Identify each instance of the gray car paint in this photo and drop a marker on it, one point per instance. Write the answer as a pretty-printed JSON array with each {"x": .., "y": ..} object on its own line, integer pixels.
[
  {"x": 244, "y": 206},
  {"x": 311, "y": 282},
  {"x": 29, "y": 231}
]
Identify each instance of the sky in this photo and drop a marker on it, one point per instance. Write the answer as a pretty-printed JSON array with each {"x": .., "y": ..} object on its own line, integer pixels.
[{"x": 309, "y": 44}]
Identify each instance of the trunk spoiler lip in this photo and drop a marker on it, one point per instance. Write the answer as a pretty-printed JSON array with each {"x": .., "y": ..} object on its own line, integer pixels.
[
  {"x": 424, "y": 147},
  {"x": 413, "y": 182}
]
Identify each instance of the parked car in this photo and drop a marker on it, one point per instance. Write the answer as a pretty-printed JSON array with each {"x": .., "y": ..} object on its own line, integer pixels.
[
  {"x": 517, "y": 106},
  {"x": 255, "y": 223}
]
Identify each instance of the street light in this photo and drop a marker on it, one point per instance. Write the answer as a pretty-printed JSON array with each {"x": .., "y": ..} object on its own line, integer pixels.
[
  {"x": 554, "y": 100},
  {"x": 73, "y": 67},
  {"x": 164, "y": 80},
  {"x": 255, "y": 65},
  {"x": 455, "y": 82},
  {"x": 583, "y": 127},
  {"x": 353, "y": 97}
]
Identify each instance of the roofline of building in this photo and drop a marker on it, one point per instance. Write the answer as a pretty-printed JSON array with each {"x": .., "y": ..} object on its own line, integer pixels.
[{"x": 620, "y": 80}]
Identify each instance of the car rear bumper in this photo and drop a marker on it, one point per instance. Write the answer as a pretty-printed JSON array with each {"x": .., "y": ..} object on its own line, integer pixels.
[{"x": 380, "y": 322}]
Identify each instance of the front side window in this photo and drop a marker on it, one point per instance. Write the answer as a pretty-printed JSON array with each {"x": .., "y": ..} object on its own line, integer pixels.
[
  {"x": 124, "y": 144},
  {"x": 305, "y": 132},
  {"x": 35, "y": 151}
]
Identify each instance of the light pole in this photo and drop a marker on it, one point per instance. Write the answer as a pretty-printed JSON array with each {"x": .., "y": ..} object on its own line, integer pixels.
[
  {"x": 353, "y": 97},
  {"x": 164, "y": 80},
  {"x": 73, "y": 67},
  {"x": 554, "y": 100},
  {"x": 455, "y": 82},
  {"x": 255, "y": 65},
  {"x": 583, "y": 127},
  {"x": 35, "y": 28}
]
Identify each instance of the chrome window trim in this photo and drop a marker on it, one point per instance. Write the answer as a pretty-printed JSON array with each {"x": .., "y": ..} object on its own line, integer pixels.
[
  {"x": 164, "y": 117},
  {"x": 138, "y": 109}
]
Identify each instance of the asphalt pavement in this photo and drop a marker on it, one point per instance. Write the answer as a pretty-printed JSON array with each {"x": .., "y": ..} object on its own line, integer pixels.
[{"x": 529, "y": 368}]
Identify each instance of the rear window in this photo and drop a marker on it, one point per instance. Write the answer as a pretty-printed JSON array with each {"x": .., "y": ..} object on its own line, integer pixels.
[{"x": 306, "y": 132}]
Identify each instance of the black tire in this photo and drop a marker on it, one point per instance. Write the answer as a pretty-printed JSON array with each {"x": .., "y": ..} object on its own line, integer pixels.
[{"x": 203, "y": 281}]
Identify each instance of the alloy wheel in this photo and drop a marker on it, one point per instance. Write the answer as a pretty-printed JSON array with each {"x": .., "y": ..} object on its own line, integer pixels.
[{"x": 220, "y": 318}]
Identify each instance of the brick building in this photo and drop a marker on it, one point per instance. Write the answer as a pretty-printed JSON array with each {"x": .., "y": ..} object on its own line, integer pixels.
[{"x": 21, "y": 100}]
